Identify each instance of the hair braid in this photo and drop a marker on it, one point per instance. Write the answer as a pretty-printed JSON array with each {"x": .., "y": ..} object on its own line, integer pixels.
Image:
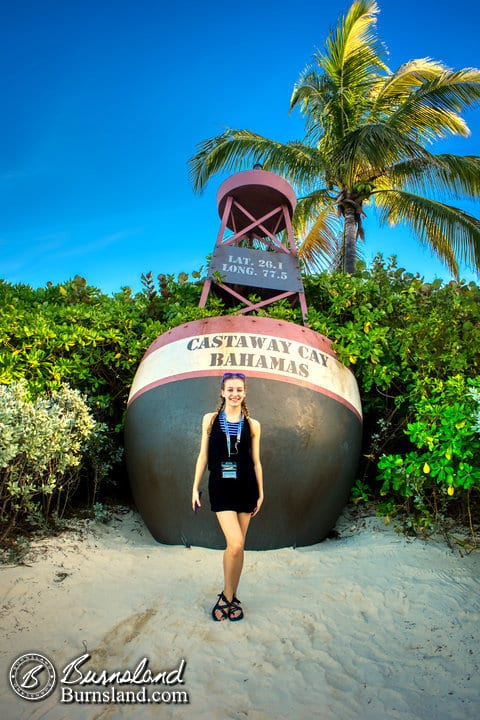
[
  {"x": 216, "y": 414},
  {"x": 246, "y": 413},
  {"x": 245, "y": 410}
]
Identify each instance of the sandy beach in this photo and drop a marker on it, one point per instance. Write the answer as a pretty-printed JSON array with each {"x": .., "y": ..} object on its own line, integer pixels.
[{"x": 367, "y": 626}]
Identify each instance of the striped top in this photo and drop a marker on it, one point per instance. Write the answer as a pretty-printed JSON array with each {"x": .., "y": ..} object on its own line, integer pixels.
[{"x": 231, "y": 428}]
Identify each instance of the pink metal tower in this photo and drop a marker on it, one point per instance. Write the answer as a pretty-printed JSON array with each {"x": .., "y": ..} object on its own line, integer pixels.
[{"x": 255, "y": 246}]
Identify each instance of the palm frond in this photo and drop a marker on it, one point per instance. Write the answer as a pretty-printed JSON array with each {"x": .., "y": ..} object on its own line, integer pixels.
[
  {"x": 300, "y": 164},
  {"x": 429, "y": 100},
  {"x": 397, "y": 86},
  {"x": 354, "y": 44},
  {"x": 313, "y": 94},
  {"x": 318, "y": 248},
  {"x": 231, "y": 151},
  {"x": 451, "y": 233},
  {"x": 309, "y": 92},
  {"x": 454, "y": 90},
  {"x": 374, "y": 148},
  {"x": 236, "y": 150},
  {"x": 332, "y": 91},
  {"x": 453, "y": 175},
  {"x": 309, "y": 206}
]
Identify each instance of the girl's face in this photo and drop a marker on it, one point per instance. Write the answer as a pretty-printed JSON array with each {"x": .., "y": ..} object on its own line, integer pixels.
[{"x": 234, "y": 391}]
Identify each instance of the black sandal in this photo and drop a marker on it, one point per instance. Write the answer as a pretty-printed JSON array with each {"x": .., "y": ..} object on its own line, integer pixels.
[
  {"x": 235, "y": 608},
  {"x": 223, "y": 609}
]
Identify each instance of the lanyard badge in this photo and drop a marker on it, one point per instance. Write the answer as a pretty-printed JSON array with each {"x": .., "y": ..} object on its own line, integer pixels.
[{"x": 229, "y": 468}]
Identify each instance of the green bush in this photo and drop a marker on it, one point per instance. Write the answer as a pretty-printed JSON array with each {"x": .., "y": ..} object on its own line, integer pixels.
[
  {"x": 445, "y": 454},
  {"x": 74, "y": 333},
  {"x": 43, "y": 444}
]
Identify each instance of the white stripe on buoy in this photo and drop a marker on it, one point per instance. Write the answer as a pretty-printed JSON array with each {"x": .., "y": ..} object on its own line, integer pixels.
[{"x": 259, "y": 347}]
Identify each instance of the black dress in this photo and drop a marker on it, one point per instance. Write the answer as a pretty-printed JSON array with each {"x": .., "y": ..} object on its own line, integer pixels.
[{"x": 241, "y": 493}]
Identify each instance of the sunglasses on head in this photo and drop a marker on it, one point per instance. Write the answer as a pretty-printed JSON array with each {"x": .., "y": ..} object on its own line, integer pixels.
[{"x": 228, "y": 375}]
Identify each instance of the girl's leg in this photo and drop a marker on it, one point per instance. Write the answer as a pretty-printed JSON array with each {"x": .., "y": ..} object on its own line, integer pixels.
[
  {"x": 234, "y": 526},
  {"x": 244, "y": 522}
]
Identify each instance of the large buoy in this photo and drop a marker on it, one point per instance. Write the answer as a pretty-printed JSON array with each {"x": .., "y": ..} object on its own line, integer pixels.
[{"x": 306, "y": 401}]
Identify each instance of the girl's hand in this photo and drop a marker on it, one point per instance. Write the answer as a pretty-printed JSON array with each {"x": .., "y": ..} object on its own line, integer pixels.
[
  {"x": 258, "y": 506},
  {"x": 196, "y": 504}
]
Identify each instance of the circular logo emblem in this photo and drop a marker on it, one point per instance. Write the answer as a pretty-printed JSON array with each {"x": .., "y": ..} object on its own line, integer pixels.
[{"x": 32, "y": 676}]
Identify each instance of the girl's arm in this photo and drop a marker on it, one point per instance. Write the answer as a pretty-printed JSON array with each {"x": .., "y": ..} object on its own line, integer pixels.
[
  {"x": 256, "y": 433},
  {"x": 201, "y": 461}
]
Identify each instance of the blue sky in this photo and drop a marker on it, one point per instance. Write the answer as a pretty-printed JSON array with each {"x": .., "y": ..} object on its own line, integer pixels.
[{"x": 103, "y": 103}]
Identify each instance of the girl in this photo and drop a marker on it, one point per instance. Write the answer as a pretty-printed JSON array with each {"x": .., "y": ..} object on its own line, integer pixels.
[{"x": 230, "y": 445}]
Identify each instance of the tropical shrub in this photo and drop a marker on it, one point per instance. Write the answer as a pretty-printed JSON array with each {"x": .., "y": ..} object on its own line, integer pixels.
[
  {"x": 445, "y": 457},
  {"x": 43, "y": 442},
  {"x": 74, "y": 333}
]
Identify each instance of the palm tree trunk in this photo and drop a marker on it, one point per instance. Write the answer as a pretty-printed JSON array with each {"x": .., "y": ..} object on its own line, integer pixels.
[{"x": 350, "y": 238}]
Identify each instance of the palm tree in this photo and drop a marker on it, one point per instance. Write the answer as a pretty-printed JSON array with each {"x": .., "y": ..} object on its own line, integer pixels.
[{"x": 368, "y": 131}]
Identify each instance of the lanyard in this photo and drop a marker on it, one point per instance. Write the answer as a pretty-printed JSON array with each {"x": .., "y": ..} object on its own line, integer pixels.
[{"x": 224, "y": 426}]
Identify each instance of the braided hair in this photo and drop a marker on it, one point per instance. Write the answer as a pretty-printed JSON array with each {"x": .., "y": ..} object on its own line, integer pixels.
[{"x": 216, "y": 414}]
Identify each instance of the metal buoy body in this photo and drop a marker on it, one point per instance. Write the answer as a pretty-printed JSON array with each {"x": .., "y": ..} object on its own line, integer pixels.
[{"x": 306, "y": 401}]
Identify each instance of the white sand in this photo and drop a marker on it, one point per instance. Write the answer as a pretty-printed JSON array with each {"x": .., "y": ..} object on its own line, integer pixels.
[{"x": 371, "y": 626}]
